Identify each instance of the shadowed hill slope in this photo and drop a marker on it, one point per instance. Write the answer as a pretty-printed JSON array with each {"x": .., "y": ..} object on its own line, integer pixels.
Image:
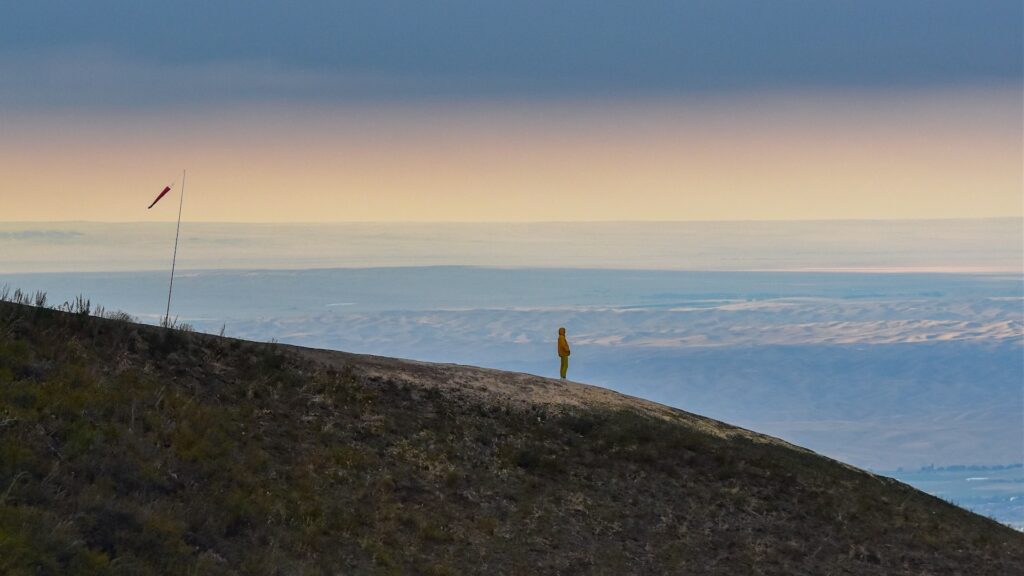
[{"x": 129, "y": 449}]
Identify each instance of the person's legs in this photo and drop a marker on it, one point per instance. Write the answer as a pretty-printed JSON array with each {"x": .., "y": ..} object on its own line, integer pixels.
[{"x": 565, "y": 365}]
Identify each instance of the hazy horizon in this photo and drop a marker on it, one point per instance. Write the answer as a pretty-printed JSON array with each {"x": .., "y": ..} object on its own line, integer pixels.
[
  {"x": 965, "y": 245},
  {"x": 609, "y": 221}
]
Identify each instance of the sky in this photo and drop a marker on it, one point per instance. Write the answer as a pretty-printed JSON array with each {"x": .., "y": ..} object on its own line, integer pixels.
[
  {"x": 953, "y": 246},
  {"x": 523, "y": 111}
]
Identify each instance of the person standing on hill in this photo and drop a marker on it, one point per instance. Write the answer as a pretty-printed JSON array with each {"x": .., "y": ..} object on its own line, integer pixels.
[{"x": 563, "y": 351}]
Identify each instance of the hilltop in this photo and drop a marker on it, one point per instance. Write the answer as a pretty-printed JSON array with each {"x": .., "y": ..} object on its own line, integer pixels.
[{"x": 133, "y": 449}]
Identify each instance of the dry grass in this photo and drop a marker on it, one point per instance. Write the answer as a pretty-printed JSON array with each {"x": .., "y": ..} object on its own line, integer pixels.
[{"x": 128, "y": 449}]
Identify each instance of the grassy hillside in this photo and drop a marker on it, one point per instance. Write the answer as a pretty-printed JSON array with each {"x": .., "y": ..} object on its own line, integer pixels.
[{"x": 129, "y": 449}]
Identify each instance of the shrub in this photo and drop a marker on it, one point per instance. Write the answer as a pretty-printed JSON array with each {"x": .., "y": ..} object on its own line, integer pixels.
[{"x": 121, "y": 316}]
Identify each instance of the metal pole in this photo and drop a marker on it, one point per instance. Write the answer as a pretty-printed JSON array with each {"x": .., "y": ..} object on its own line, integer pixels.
[{"x": 174, "y": 260}]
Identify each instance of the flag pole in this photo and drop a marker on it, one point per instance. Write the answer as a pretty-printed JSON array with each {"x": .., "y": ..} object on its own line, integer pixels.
[{"x": 174, "y": 259}]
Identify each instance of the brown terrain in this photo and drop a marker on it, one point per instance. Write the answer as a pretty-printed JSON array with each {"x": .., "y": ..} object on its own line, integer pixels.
[{"x": 134, "y": 449}]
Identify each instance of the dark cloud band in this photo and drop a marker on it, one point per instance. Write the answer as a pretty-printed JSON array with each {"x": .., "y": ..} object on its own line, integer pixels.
[{"x": 384, "y": 49}]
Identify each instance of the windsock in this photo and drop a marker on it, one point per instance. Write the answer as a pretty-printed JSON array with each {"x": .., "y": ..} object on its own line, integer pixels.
[{"x": 161, "y": 195}]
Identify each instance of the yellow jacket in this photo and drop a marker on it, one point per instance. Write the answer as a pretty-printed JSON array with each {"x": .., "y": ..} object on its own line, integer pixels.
[{"x": 563, "y": 344}]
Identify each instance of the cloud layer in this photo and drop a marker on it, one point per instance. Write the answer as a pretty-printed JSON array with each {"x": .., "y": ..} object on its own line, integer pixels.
[{"x": 145, "y": 53}]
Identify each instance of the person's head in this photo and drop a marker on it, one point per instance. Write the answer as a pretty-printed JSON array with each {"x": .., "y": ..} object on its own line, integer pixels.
[{"x": 561, "y": 331}]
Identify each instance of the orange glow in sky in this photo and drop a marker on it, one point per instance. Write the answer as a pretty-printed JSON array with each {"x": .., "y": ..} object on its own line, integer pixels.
[{"x": 773, "y": 156}]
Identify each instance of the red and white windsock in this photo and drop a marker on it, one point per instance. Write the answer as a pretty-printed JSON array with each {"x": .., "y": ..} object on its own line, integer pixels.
[{"x": 161, "y": 195}]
